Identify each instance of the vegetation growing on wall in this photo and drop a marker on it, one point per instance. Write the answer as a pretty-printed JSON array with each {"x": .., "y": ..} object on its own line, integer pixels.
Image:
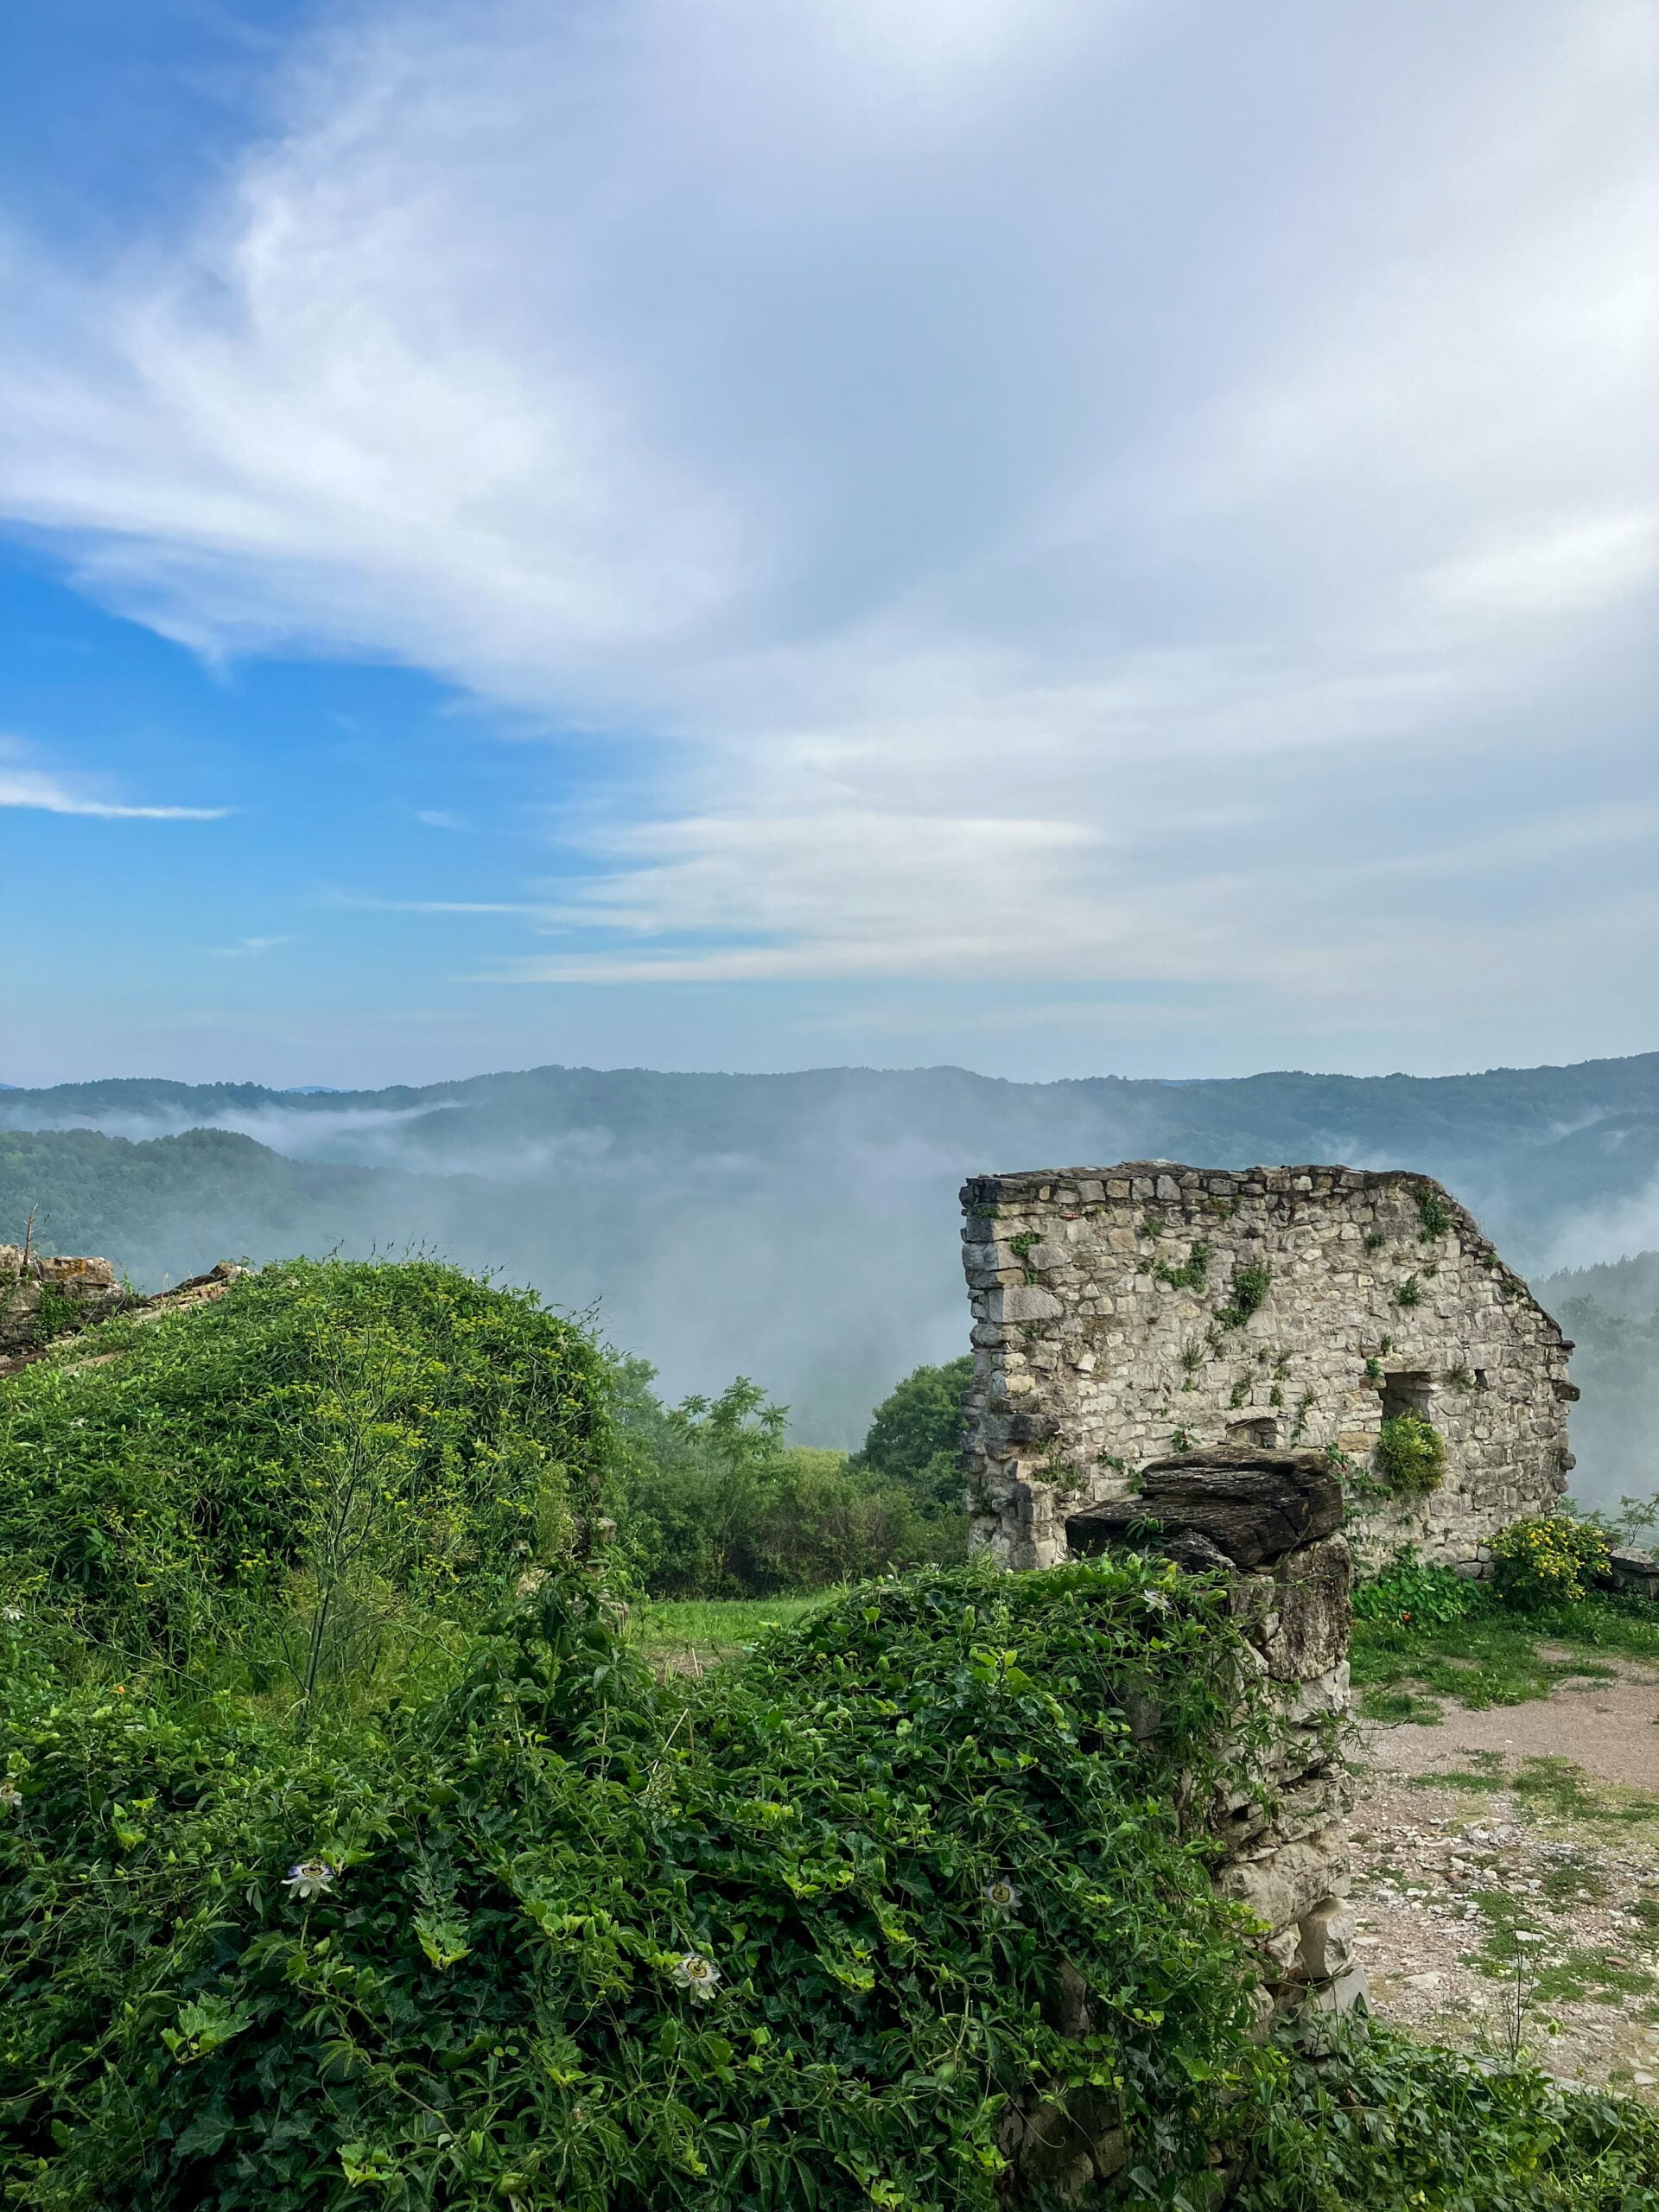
[
  {"x": 1410, "y": 1455},
  {"x": 1246, "y": 1295}
]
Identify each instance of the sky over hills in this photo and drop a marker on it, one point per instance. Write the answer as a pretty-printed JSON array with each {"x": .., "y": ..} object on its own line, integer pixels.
[{"x": 1095, "y": 536}]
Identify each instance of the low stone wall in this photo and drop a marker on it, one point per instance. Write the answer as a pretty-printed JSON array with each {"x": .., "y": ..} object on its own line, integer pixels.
[{"x": 1272, "y": 1522}]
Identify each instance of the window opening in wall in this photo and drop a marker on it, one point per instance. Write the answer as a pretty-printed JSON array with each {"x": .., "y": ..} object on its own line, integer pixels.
[
  {"x": 1263, "y": 1430},
  {"x": 1408, "y": 1391}
]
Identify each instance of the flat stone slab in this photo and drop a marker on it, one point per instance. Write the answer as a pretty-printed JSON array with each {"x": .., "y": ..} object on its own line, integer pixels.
[{"x": 1254, "y": 1505}]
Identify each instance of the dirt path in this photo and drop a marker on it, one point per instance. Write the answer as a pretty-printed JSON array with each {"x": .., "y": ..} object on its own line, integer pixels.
[
  {"x": 1610, "y": 1729},
  {"x": 1507, "y": 1877}
]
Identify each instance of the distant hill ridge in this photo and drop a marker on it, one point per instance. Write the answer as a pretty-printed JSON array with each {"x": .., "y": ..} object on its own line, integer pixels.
[{"x": 801, "y": 1228}]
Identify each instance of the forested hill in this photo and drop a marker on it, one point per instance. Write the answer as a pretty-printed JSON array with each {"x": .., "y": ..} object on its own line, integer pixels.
[
  {"x": 800, "y": 1228},
  {"x": 1593, "y": 1120}
]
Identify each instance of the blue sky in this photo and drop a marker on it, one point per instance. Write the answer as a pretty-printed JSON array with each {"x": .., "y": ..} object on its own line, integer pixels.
[{"x": 1108, "y": 537}]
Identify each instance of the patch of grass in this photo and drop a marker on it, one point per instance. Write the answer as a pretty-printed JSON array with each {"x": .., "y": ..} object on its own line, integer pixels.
[
  {"x": 1561, "y": 1977},
  {"x": 1394, "y": 1706},
  {"x": 1556, "y": 1786},
  {"x": 1570, "y": 1875},
  {"x": 714, "y": 1628},
  {"x": 1491, "y": 1658},
  {"x": 1488, "y": 1775}
]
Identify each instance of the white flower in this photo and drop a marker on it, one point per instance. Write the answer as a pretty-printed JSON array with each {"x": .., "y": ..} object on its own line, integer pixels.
[
  {"x": 310, "y": 1877},
  {"x": 1158, "y": 1600},
  {"x": 10, "y": 1795},
  {"x": 698, "y": 1974},
  {"x": 1000, "y": 1895},
  {"x": 11, "y": 1613}
]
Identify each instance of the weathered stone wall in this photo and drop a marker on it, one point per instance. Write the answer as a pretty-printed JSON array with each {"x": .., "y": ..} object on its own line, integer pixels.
[
  {"x": 43, "y": 1292},
  {"x": 1114, "y": 1322},
  {"x": 1272, "y": 1523}
]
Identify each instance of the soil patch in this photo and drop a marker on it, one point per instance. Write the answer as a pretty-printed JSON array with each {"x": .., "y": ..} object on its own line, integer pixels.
[{"x": 1506, "y": 1888}]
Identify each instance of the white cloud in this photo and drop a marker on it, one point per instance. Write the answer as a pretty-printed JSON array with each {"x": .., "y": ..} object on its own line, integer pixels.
[
  {"x": 1070, "y": 493},
  {"x": 248, "y": 947},
  {"x": 52, "y": 794}
]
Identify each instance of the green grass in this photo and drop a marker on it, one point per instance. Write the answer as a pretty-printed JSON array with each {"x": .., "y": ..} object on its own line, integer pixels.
[
  {"x": 1492, "y": 1657},
  {"x": 1558, "y": 1788},
  {"x": 713, "y": 1628}
]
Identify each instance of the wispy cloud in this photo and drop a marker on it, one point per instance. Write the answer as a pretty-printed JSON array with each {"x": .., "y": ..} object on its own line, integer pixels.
[
  {"x": 53, "y": 794},
  {"x": 1081, "y": 493}
]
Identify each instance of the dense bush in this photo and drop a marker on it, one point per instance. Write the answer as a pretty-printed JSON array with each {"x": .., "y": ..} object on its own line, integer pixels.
[
  {"x": 1410, "y": 1455},
  {"x": 575, "y": 1939},
  {"x": 387, "y": 1436},
  {"x": 1548, "y": 1559},
  {"x": 713, "y": 1503}
]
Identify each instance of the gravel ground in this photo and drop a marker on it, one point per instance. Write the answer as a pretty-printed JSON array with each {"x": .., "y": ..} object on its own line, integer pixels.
[{"x": 1520, "y": 1898}]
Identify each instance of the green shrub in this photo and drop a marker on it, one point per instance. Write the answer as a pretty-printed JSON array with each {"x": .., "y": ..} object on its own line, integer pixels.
[
  {"x": 712, "y": 1503},
  {"x": 885, "y": 1832},
  {"x": 1410, "y": 1455},
  {"x": 1409, "y": 1593},
  {"x": 914, "y": 1437},
  {"x": 162, "y": 1479},
  {"x": 1548, "y": 1559},
  {"x": 1383, "y": 2123}
]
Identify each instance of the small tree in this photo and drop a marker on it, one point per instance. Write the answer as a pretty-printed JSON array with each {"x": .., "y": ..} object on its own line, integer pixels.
[{"x": 915, "y": 1434}]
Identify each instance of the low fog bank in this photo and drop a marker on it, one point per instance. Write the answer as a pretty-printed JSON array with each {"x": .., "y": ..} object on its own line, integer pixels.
[
  {"x": 1611, "y": 1312},
  {"x": 803, "y": 1230}
]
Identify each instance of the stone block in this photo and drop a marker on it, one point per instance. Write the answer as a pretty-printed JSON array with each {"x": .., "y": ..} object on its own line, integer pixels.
[
  {"x": 1326, "y": 1940},
  {"x": 1284, "y": 1884},
  {"x": 1313, "y": 1613}
]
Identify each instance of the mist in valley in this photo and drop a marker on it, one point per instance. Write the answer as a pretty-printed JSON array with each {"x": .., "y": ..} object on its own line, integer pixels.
[{"x": 803, "y": 1230}]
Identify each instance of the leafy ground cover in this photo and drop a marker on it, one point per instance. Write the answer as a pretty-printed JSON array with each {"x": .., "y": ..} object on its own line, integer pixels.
[
  {"x": 574, "y": 1937},
  {"x": 353, "y": 1852},
  {"x": 1421, "y": 1634}
]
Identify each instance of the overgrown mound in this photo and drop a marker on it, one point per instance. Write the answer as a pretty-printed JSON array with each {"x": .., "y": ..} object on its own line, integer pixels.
[
  {"x": 796, "y": 1936},
  {"x": 399, "y": 1426},
  {"x": 828, "y": 1929}
]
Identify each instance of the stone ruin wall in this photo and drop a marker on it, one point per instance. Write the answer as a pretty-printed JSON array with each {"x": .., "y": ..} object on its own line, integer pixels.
[
  {"x": 45, "y": 1297},
  {"x": 1103, "y": 1338},
  {"x": 1272, "y": 1524},
  {"x": 40, "y": 1292}
]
